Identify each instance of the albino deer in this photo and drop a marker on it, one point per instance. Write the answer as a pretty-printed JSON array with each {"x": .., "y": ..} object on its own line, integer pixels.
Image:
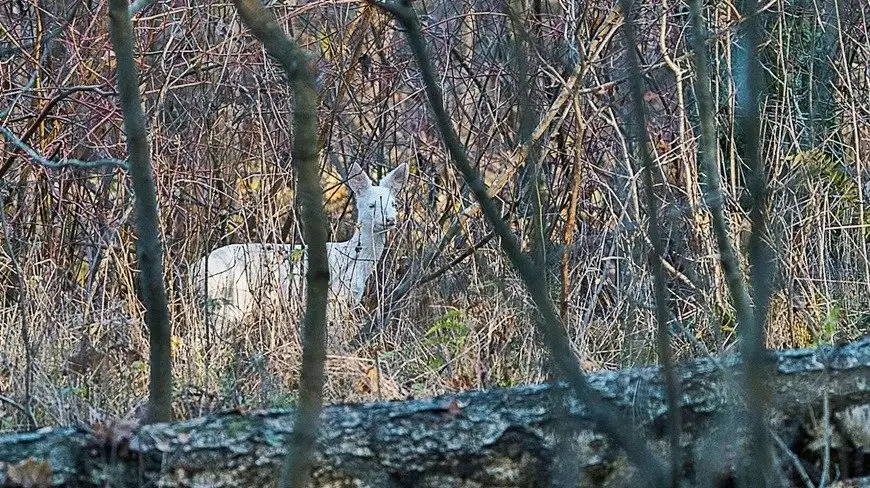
[{"x": 239, "y": 275}]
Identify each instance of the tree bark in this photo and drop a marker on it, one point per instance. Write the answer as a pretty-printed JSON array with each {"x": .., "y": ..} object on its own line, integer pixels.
[
  {"x": 149, "y": 249},
  {"x": 528, "y": 436}
]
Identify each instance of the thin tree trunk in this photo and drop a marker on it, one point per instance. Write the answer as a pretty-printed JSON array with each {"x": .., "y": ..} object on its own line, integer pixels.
[
  {"x": 149, "y": 249},
  {"x": 295, "y": 471}
]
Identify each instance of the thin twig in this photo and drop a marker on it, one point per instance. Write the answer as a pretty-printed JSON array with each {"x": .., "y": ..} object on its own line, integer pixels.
[
  {"x": 44, "y": 41},
  {"x": 455, "y": 261},
  {"x": 796, "y": 463},
  {"x": 530, "y": 176},
  {"x": 27, "y": 412},
  {"x": 826, "y": 422},
  {"x": 573, "y": 201},
  {"x": 37, "y": 122}
]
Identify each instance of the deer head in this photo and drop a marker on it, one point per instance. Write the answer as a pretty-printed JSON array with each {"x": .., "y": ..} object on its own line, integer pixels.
[{"x": 376, "y": 205}]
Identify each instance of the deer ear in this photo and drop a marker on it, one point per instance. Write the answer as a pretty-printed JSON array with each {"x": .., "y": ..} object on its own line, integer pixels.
[
  {"x": 357, "y": 179},
  {"x": 396, "y": 179}
]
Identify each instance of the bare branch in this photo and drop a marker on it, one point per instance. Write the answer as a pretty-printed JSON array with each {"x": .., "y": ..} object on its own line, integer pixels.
[
  {"x": 548, "y": 321},
  {"x": 137, "y": 6},
  {"x": 12, "y": 49},
  {"x": 37, "y": 158},
  {"x": 455, "y": 261},
  {"x": 36, "y": 123}
]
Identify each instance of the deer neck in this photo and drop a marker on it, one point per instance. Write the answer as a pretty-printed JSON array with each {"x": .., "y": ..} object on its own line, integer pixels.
[
  {"x": 357, "y": 260},
  {"x": 366, "y": 245}
]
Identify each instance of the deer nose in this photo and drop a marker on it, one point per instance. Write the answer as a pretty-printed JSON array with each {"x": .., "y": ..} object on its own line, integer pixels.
[{"x": 391, "y": 221}]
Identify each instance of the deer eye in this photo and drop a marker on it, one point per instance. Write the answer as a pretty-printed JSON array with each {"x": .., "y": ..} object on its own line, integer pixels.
[{"x": 372, "y": 205}]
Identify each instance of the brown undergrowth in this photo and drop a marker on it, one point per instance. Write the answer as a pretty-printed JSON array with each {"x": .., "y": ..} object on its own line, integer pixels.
[{"x": 219, "y": 122}]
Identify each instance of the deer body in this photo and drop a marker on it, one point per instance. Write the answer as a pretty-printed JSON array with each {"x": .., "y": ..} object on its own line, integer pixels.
[{"x": 243, "y": 276}]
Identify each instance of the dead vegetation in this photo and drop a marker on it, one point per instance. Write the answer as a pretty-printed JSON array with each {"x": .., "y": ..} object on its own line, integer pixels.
[{"x": 219, "y": 120}]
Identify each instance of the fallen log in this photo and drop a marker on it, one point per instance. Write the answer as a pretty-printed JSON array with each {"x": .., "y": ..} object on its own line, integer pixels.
[{"x": 528, "y": 436}]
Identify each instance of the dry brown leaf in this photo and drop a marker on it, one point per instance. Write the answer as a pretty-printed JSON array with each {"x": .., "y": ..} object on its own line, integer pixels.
[{"x": 30, "y": 473}]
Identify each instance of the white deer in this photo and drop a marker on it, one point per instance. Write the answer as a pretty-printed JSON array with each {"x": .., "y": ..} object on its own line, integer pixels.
[{"x": 240, "y": 275}]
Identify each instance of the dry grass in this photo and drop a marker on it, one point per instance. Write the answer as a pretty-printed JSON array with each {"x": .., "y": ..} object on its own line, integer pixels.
[{"x": 219, "y": 120}]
